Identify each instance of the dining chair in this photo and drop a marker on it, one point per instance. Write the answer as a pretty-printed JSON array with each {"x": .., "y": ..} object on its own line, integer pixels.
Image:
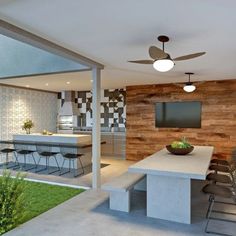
[{"x": 214, "y": 191}]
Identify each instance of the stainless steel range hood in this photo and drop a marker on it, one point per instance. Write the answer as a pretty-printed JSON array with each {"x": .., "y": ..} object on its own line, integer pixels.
[{"x": 69, "y": 107}]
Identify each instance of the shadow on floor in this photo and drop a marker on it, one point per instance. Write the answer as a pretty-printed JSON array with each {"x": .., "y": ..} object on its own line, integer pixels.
[{"x": 87, "y": 170}]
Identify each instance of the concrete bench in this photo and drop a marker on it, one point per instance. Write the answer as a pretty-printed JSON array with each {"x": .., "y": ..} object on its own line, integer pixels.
[{"x": 119, "y": 189}]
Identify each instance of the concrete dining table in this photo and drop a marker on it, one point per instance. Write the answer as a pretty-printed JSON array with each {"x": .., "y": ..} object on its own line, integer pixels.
[{"x": 169, "y": 181}]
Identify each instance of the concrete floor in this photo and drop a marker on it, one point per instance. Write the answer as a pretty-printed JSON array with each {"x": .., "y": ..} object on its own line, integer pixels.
[
  {"x": 88, "y": 214},
  {"x": 116, "y": 167}
]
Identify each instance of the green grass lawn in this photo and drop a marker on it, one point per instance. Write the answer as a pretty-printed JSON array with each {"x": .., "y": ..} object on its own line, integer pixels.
[
  {"x": 42, "y": 197},
  {"x": 22, "y": 200}
]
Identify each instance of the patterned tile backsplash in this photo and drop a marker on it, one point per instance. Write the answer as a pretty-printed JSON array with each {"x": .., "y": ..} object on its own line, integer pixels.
[
  {"x": 19, "y": 104},
  {"x": 113, "y": 107}
]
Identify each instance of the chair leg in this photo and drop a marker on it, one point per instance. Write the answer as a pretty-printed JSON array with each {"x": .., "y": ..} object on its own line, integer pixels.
[
  {"x": 81, "y": 165},
  {"x": 61, "y": 173},
  {"x": 209, "y": 217},
  {"x": 35, "y": 166},
  {"x": 42, "y": 169},
  {"x": 58, "y": 168},
  {"x": 17, "y": 165},
  {"x": 209, "y": 213},
  {"x": 75, "y": 170}
]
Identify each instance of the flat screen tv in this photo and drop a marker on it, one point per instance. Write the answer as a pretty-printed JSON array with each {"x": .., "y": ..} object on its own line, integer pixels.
[{"x": 178, "y": 114}]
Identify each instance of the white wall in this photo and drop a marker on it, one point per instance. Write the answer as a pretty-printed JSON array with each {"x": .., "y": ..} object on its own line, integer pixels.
[{"x": 17, "y": 105}]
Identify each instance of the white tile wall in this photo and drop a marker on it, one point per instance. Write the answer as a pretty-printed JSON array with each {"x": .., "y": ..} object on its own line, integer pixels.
[{"x": 17, "y": 105}]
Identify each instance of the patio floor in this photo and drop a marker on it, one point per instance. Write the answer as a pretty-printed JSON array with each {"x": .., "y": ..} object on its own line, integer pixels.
[
  {"x": 88, "y": 214},
  {"x": 114, "y": 168}
]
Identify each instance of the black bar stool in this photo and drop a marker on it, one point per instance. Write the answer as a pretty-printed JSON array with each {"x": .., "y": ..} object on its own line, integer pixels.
[
  {"x": 71, "y": 155},
  {"x": 46, "y": 152},
  {"x": 215, "y": 190},
  {"x": 7, "y": 150},
  {"x": 24, "y": 150}
]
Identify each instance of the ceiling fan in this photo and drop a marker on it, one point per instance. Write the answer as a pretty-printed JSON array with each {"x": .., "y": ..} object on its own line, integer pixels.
[{"x": 161, "y": 60}]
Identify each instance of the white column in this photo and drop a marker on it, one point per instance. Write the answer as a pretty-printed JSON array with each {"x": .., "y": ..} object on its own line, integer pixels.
[{"x": 96, "y": 134}]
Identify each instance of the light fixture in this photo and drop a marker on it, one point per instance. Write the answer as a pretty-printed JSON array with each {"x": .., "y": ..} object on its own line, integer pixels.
[
  {"x": 27, "y": 86},
  {"x": 68, "y": 82},
  {"x": 46, "y": 84},
  {"x": 163, "y": 65},
  {"x": 189, "y": 87}
]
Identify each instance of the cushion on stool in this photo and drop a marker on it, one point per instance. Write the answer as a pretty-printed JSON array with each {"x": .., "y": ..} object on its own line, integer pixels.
[{"x": 7, "y": 150}]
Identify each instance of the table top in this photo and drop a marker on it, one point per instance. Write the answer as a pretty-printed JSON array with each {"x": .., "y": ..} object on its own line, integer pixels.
[
  {"x": 50, "y": 144},
  {"x": 53, "y": 135},
  {"x": 194, "y": 165}
]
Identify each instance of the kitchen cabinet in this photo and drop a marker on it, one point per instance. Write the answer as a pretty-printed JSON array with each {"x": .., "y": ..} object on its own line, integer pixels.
[{"x": 115, "y": 143}]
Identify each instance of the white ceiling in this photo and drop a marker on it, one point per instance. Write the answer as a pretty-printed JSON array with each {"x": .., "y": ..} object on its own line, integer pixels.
[{"x": 112, "y": 32}]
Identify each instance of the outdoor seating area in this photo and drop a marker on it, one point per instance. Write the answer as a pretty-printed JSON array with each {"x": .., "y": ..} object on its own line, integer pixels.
[{"x": 117, "y": 118}]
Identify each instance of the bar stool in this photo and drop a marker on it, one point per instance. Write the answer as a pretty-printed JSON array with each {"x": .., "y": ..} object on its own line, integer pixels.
[
  {"x": 71, "y": 155},
  {"x": 7, "y": 151},
  {"x": 215, "y": 190},
  {"x": 46, "y": 152},
  {"x": 23, "y": 149}
]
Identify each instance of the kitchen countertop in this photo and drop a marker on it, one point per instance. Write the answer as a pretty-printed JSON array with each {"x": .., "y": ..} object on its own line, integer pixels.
[{"x": 54, "y": 138}]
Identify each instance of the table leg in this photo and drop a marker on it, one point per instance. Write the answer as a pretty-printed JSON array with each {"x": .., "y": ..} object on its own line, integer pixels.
[{"x": 169, "y": 198}]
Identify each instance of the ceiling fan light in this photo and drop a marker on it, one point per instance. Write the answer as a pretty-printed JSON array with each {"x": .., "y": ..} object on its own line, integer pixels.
[
  {"x": 189, "y": 88},
  {"x": 163, "y": 65}
]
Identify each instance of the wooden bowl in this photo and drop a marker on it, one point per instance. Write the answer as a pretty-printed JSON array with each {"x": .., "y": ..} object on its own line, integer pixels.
[{"x": 179, "y": 151}]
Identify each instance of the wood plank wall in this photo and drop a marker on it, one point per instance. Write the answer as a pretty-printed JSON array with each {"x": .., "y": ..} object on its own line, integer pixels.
[{"x": 218, "y": 118}]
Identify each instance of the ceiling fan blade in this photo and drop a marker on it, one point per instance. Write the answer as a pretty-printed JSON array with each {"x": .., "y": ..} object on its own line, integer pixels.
[
  {"x": 156, "y": 53},
  {"x": 190, "y": 56},
  {"x": 142, "y": 61}
]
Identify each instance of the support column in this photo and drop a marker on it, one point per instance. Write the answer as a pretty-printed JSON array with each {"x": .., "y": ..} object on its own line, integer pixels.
[{"x": 96, "y": 134}]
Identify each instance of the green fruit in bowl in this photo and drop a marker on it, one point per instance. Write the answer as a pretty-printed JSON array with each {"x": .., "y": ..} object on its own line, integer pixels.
[{"x": 181, "y": 144}]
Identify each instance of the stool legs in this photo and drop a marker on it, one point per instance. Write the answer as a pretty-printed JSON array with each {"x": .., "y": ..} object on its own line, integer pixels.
[
  {"x": 209, "y": 217},
  {"x": 73, "y": 165},
  {"x": 58, "y": 168},
  {"x": 47, "y": 165}
]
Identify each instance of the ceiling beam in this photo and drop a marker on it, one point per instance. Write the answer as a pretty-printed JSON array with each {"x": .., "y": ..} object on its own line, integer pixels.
[{"x": 27, "y": 37}]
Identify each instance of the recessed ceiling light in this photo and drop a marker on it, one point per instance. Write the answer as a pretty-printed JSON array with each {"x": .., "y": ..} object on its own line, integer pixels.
[
  {"x": 46, "y": 84},
  {"x": 68, "y": 82},
  {"x": 91, "y": 81},
  {"x": 27, "y": 86}
]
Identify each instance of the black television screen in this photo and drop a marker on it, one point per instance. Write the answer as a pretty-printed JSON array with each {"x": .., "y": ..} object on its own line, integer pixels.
[{"x": 178, "y": 114}]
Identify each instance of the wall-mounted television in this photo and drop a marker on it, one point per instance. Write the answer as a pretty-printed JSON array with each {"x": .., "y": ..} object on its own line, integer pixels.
[{"x": 178, "y": 114}]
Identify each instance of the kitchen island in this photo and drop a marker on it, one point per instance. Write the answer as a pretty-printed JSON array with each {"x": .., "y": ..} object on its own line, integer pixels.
[
  {"x": 54, "y": 138},
  {"x": 81, "y": 142}
]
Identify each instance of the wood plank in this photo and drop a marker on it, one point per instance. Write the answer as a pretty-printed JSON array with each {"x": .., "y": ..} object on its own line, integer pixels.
[{"x": 218, "y": 118}]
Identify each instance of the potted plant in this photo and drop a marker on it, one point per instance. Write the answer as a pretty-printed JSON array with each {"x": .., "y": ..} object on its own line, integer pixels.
[{"x": 28, "y": 124}]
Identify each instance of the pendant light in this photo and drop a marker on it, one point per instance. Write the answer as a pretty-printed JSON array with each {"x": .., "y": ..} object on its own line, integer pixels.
[{"x": 189, "y": 87}]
